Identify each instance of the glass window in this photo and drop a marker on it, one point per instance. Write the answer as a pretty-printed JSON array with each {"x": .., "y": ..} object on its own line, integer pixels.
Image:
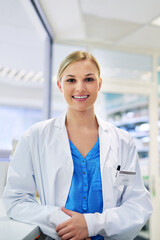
[
  {"x": 21, "y": 74},
  {"x": 14, "y": 121}
]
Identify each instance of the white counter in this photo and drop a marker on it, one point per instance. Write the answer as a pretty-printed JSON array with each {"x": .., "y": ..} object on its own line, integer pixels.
[
  {"x": 3, "y": 174},
  {"x": 2, "y": 210},
  {"x": 11, "y": 229}
]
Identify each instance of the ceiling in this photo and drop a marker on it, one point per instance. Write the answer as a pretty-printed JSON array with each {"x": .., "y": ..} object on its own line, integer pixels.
[
  {"x": 21, "y": 46},
  {"x": 113, "y": 23}
]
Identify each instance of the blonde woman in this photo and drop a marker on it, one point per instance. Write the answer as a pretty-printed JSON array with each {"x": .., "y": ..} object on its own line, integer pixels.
[{"x": 86, "y": 170}]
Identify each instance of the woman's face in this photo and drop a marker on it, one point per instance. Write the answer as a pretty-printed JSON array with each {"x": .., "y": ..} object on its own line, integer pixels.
[{"x": 80, "y": 84}]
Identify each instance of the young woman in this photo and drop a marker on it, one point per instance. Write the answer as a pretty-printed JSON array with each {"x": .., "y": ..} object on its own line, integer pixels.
[{"x": 86, "y": 170}]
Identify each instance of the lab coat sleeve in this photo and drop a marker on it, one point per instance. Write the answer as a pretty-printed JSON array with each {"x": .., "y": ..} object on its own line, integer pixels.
[
  {"x": 126, "y": 220},
  {"x": 20, "y": 190}
]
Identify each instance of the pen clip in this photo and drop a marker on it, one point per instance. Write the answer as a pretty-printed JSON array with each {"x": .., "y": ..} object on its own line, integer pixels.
[{"x": 118, "y": 169}]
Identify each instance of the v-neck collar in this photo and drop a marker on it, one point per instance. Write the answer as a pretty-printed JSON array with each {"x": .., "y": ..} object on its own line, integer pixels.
[{"x": 89, "y": 154}]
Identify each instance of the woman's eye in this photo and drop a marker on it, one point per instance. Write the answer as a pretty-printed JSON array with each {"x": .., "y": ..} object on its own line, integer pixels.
[
  {"x": 71, "y": 80},
  {"x": 89, "y": 79}
]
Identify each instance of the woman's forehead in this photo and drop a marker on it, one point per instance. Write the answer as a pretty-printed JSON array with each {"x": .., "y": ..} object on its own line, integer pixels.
[{"x": 82, "y": 66}]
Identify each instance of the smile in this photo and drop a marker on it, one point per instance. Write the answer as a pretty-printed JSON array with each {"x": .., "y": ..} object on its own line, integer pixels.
[{"x": 81, "y": 97}]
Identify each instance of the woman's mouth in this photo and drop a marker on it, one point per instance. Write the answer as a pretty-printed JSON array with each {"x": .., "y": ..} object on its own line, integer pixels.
[{"x": 80, "y": 97}]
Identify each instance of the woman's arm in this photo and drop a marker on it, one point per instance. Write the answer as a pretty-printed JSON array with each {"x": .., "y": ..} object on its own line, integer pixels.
[{"x": 20, "y": 191}]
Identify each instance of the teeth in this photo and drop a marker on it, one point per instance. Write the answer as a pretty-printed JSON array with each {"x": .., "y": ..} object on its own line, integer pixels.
[{"x": 80, "y": 97}]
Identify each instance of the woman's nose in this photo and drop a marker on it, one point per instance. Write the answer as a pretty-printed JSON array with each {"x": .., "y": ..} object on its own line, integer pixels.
[{"x": 80, "y": 87}]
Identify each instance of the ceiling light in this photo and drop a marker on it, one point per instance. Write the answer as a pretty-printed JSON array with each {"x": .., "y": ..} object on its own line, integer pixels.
[
  {"x": 20, "y": 75},
  {"x": 156, "y": 22},
  {"x": 12, "y": 73},
  {"x": 28, "y": 76},
  {"x": 37, "y": 77},
  {"x": 4, "y": 71}
]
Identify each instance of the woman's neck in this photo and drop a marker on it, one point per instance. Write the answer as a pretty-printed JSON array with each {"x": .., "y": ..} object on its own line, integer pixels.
[{"x": 81, "y": 119}]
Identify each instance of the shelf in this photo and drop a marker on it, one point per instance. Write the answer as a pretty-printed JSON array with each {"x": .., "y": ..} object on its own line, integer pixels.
[
  {"x": 139, "y": 134},
  {"x": 135, "y": 120},
  {"x": 129, "y": 106}
]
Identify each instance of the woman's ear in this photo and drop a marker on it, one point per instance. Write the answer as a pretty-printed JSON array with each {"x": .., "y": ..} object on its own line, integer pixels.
[
  {"x": 59, "y": 86},
  {"x": 100, "y": 84}
]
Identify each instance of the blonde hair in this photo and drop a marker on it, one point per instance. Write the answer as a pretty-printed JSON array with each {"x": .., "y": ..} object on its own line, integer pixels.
[{"x": 75, "y": 57}]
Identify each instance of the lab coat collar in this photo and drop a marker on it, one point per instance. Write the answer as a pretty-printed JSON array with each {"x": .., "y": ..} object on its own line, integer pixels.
[
  {"x": 60, "y": 122},
  {"x": 103, "y": 124},
  {"x": 104, "y": 135},
  {"x": 62, "y": 137}
]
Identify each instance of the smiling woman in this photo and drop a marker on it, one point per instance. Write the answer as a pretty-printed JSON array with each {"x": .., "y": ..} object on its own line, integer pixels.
[
  {"x": 85, "y": 169},
  {"x": 80, "y": 83}
]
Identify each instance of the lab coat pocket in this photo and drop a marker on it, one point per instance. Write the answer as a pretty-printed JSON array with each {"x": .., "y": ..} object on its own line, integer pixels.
[
  {"x": 117, "y": 189},
  {"x": 124, "y": 178}
]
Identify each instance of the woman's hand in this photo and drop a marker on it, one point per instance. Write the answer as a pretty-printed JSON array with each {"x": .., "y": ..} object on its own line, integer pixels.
[{"x": 75, "y": 228}]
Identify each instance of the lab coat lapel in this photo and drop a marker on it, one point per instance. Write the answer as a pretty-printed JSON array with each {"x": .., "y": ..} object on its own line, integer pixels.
[
  {"x": 105, "y": 145},
  {"x": 65, "y": 143},
  {"x": 63, "y": 136},
  {"x": 105, "y": 140},
  {"x": 66, "y": 169},
  {"x": 108, "y": 163}
]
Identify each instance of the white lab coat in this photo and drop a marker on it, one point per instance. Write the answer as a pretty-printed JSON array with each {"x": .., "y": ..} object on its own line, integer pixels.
[{"x": 43, "y": 161}]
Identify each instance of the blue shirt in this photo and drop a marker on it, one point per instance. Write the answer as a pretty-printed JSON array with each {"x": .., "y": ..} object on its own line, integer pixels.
[{"x": 85, "y": 194}]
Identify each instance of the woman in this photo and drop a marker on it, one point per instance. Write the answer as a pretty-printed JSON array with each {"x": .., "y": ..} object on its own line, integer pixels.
[{"x": 86, "y": 170}]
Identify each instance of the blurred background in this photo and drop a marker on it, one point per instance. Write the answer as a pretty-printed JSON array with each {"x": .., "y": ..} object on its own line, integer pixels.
[{"x": 124, "y": 36}]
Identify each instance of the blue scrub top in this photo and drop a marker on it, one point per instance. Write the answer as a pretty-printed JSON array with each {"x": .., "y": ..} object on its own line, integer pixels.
[{"x": 85, "y": 194}]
